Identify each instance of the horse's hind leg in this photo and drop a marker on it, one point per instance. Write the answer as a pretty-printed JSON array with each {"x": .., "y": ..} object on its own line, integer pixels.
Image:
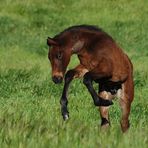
[
  {"x": 104, "y": 111},
  {"x": 125, "y": 102},
  {"x": 104, "y": 117}
]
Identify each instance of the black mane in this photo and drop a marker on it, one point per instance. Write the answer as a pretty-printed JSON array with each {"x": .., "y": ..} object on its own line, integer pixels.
[
  {"x": 87, "y": 27},
  {"x": 77, "y": 27}
]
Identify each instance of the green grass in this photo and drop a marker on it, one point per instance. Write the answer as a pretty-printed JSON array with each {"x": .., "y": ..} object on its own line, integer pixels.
[{"x": 29, "y": 101}]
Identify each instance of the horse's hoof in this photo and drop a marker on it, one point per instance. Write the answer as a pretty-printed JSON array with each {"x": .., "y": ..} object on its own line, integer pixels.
[
  {"x": 103, "y": 102},
  {"x": 105, "y": 127},
  {"x": 65, "y": 117}
]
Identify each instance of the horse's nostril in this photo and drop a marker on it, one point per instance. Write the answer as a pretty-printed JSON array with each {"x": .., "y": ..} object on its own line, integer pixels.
[{"x": 57, "y": 79}]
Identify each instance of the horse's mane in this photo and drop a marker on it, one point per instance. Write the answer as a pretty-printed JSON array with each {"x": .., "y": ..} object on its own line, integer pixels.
[
  {"x": 80, "y": 27},
  {"x": 87, "y": 27}
]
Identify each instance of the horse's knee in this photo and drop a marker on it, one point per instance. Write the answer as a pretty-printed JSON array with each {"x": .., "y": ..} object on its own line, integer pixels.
[
  {"x": 69, "y": 76},
  {"x": 86, "y": 80}
]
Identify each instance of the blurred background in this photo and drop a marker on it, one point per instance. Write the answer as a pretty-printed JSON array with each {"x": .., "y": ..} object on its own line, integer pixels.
[{"x": 29, "y": 101}]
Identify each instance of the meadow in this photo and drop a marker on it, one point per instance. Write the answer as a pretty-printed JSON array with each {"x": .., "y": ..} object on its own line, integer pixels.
[{"x": 29, "y": 101}]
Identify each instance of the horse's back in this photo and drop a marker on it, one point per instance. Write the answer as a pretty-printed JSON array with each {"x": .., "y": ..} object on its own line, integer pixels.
[{"x": 121, "y": 65}]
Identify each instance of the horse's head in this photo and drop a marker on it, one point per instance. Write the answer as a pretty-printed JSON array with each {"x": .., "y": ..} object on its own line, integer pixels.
[{"x": 59, "y": 58}]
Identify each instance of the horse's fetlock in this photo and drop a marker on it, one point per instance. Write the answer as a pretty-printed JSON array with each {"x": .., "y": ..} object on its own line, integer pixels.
[
  {"x": 102, "y": 102},
  {"x": 65, "y": 116},
  {"x": 65, "y": 112},
  {"x": 97, "y": 102},
  {"x": 104, "y": 121}
]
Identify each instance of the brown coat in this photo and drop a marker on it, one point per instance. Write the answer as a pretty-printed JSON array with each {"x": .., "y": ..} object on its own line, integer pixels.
[{"x": 101, "y": 60}]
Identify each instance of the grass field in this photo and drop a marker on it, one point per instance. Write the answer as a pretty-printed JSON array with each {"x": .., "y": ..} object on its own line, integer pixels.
[{"x": 29, "y": 101}]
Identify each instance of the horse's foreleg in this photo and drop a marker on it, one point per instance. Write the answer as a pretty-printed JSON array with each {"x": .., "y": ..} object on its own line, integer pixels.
[
  {"x": 79, "y": 71},
  {"x": 98, "y": 101},
  {"x": 68, "y": 78}
]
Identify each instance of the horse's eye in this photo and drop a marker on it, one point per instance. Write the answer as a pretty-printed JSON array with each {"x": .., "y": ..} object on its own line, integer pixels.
[{"x": 59, "y": 56}]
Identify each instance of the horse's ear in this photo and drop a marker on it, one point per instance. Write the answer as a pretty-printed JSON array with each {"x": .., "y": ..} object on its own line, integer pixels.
[
  {"x": 51, "y": 41},
  {"x": 77, "y": 46}
]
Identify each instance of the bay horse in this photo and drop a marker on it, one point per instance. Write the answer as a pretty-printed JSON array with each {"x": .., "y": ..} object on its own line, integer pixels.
[{"x": 101, "y": 61}]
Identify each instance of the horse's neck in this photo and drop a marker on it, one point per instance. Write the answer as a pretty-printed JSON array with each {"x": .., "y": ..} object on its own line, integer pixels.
[
  {"x": 77, "y": 46},
  {"x": 81, "y": 41}
]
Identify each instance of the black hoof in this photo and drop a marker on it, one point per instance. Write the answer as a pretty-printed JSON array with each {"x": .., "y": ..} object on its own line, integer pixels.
[
  {"x": 65, "y": 117},
  {"x": 102, "y": 102},
  {"x": 65, "y": 112}
]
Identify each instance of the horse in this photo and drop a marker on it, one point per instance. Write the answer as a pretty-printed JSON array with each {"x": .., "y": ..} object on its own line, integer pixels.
[{"x": 102, "y": 61}]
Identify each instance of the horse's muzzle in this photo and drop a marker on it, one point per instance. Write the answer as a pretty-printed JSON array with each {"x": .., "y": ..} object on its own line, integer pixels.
[{"x": 57, "y": 79}]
